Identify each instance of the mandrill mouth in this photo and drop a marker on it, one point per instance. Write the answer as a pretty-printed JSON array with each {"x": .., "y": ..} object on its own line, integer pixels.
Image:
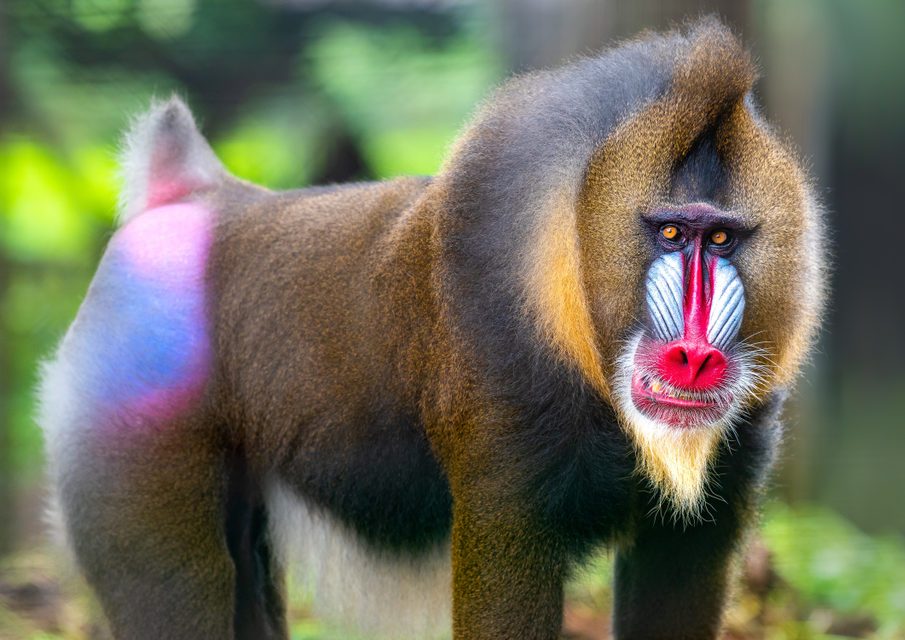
[
  {"x": 652, "y": 389},
  {"x": 677, "y": 406}
]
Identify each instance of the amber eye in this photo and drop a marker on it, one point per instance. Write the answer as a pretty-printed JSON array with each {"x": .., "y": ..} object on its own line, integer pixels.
[
  {"x": 719, "y": 238},
  {"x": 669, "y": 231}
]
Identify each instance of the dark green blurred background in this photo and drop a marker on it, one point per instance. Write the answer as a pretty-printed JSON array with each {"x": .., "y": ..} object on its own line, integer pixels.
[{"x": 295, "y": 92}]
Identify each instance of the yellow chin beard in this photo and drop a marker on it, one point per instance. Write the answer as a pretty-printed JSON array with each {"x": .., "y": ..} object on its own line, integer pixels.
[{"x": 678, "y": 461}]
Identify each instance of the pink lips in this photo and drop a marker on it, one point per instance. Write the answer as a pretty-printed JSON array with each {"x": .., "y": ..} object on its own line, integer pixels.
[
  {"x": 674, "y": 411},
  {"x": 663, "y": 397}
]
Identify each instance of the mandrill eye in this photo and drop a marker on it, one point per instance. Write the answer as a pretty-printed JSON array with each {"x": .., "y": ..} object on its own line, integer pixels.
[
  {"x": 670, "y": 232},
  {"x": 720, "y": 238}
]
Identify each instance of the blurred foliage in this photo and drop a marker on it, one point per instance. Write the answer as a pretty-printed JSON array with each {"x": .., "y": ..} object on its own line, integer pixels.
[
  {"x": 847, "y": 572},
  {"x": 367, "y": 76}
]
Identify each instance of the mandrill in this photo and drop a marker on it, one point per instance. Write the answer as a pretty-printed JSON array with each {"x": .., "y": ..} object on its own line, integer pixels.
[{"x": 436, "y": 396}]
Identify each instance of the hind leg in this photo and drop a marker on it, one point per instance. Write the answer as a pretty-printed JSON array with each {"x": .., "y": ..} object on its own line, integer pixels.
[
  {"x": 148, "y": 493},
  {"x": 145, "y": 517},
  {"x": 260, "y": 599}
]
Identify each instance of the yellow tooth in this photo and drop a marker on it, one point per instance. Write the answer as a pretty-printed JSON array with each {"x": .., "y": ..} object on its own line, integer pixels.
[{"x": 655, "y": 386}]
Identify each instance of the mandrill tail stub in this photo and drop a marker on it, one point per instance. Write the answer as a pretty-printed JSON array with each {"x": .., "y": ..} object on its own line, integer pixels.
[{"x": 165, "y": 159}]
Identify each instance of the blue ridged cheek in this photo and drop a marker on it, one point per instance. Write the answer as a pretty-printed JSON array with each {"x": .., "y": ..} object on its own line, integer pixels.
[
  {"x": 728, "y": 305},
  {"x": 665, "y": 293}
]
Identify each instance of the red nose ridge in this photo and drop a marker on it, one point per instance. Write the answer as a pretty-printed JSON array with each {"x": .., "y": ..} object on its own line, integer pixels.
[{"x": 691, "y": 365}]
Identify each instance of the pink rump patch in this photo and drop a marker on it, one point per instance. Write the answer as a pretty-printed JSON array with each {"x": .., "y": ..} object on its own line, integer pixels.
[{"x": 169, "y": 242}]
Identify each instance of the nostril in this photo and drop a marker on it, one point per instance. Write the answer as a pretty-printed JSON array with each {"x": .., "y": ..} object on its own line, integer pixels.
[
  {"x": 711, "y": 369},
  {"x": 674, "y": 357},
  {"x": 691, "y": 365}
]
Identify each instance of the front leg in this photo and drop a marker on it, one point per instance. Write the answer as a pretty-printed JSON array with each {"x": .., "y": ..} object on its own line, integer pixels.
[
  {"x": 672, "y": 579},
  {"x": 671, "y": 582},
  {"x": 507, "y": 575}
]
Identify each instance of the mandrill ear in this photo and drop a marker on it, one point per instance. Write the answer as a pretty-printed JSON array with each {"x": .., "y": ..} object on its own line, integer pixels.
[{"x": 164, "y": 159}]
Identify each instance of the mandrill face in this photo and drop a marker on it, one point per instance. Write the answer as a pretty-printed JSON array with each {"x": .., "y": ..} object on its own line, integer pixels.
[
  {"x": 701, "y": 254},
  {"x": 686, "y": 374},
  {"x": 686, "y": 368}
]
